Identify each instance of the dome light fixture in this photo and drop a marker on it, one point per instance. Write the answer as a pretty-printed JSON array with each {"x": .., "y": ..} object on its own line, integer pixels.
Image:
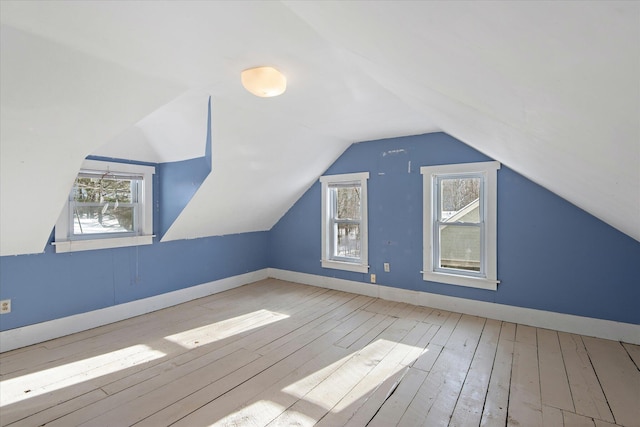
[{"x": 264, "y": 82}]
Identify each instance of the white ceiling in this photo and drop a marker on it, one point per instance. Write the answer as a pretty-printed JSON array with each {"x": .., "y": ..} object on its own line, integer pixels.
[{"x": 550, "y": 89}]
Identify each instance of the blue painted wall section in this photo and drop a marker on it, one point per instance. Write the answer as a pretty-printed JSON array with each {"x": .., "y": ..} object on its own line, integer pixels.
[
  {"x": 52, "y": 285},
  {"x": 551, "y": 255},
  {"x": 180, "y": 181}
]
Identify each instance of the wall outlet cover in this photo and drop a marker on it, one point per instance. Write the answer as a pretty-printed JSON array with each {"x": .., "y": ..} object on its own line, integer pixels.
[{"x": 5, "y": 306}]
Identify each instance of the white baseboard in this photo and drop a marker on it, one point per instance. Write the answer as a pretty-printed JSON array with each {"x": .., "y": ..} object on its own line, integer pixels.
[
  {"x": 40, "y": 332},
  {"x": 608, "y": 329}
]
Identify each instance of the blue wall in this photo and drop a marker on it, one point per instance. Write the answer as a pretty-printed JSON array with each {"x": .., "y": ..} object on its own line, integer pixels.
[
  {"x": 180, "y": 182},
  {"x": 551, "y": 255},
  {"x": 50, "y": 285}
]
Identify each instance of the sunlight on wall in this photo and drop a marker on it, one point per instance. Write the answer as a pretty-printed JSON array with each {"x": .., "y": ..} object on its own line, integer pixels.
[
  {"x": 47, "y": 380},
  {"x": 220, "y": 330}
]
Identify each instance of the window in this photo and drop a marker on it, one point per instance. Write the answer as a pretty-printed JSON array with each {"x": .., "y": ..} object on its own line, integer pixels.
[
  {"x": 344, "y": 222},
  {"x": 110, "y": 205},
  {"x": 460, "y": 203}
]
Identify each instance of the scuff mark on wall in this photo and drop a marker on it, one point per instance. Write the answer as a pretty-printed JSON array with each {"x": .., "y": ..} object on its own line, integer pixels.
[{"x": 390, "y": 152}]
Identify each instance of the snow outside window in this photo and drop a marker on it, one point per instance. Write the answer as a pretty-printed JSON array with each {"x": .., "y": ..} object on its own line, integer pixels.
[
  {"x": 110, "y": 205},
  {"x": 344, "y": 222}
]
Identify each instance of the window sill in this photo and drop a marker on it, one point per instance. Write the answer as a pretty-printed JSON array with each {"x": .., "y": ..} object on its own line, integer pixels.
[
  {"x": 347, "y": 266},
  {"x": 453, "y": 279},
  {"x": 90, "y": 245}
]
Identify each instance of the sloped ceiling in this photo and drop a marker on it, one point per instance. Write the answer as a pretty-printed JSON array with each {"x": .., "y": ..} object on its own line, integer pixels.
[{"x": 550, "y": 89}]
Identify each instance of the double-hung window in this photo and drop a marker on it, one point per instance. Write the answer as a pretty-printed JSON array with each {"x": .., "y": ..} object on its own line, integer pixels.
[
  {"x": 344, "y": 222},
  {"x": 109, "y": 205},
  {"x": 460, "y": 203}
]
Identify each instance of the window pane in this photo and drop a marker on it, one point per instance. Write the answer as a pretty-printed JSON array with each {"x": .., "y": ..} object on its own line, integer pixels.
[
  {"x": 460, "y": 247},
  {"x": 104, "y": 189},
  {"x": 459, "y": 199},
  {"x": 347, "y": 202},
  {"x": 106, "y": 218},
  {"x": 104, "y": 204},
  {"x": 348, "y": 240}
]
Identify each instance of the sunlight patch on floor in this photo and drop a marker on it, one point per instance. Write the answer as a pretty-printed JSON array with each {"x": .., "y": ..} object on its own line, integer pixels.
[
  {"x": 369, "y": 383},
  {"x": 226, "y": 328},
  {"x": 56, "y": 378},
  {"x": 293, "y": 418},
  {"x": 362, "y": 371},
  {"x": 252, "y": 414},
  {"x": 301, "y": 387}
]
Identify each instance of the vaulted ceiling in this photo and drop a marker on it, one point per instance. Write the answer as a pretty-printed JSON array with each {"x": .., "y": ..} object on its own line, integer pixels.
[{"x": 550, "y": 89}]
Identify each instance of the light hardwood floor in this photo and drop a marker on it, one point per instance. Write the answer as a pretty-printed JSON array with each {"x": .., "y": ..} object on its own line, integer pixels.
[{"x": 278, "y": 353}]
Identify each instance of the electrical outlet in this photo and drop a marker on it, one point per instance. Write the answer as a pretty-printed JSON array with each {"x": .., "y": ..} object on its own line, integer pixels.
[
  {"x": 386, "y": 267},
  {"x": 5, "y": 306},
  {"x": 373, "y": 278}
]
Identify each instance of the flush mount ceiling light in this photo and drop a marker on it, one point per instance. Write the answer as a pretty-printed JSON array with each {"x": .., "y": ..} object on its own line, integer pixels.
[{"x": 264, "y": 82}]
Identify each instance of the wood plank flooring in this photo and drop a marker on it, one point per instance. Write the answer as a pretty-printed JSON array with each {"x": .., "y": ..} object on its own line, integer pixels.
[{"x": 275, "y": 353}]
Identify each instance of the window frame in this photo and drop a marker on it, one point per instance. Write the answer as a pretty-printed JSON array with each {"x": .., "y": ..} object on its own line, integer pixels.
[
  {"x": 487, "y": 277},
  {"x": 143, "y": 235},
  {"x": 360, "y": 265}
]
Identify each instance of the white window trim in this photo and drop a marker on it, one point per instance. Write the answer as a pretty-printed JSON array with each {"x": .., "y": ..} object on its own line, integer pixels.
[
  {"x": 490, "y": 171},
  {"x": 327, "y": 262},
  {"x": 62, "y": 242}
]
